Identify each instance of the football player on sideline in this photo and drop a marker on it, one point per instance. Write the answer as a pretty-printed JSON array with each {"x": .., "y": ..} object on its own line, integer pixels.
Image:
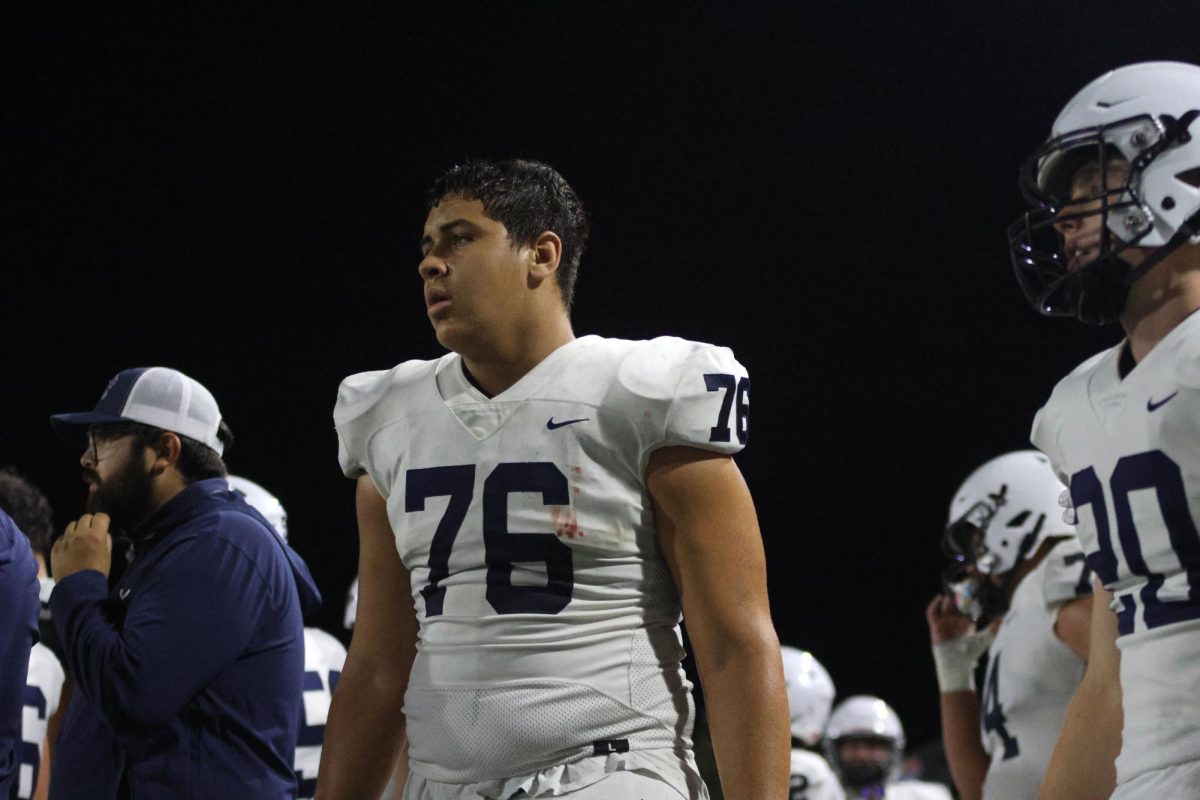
[
  {"x": 551, "y": 505},
  {"x": 864, "y": 742},
  {"x": 1017, "y": 563},
  {"x": 810, "y": 695},
  {"x": 1113, "y": 238},
  {"x": 324, "y": 655}
]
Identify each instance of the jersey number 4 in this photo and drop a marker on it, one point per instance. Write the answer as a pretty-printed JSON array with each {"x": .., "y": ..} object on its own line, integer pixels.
[
  {"x": 993, "y": 712},
  {"x": 1150, "y": 470},
  {"x": 503, "y": 547}
]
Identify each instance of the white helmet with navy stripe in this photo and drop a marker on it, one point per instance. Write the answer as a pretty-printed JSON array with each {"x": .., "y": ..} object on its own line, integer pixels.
[
  {"x": 1004, "y": 510},
  {"x": 261, "y": 501}
]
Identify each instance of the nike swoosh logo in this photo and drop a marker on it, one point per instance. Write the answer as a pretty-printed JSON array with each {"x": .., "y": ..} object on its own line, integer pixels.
[
  {"x": 552, "y": 425},
  {"x": 1153, "y": 406},
  {"x": 124, "y": 593}
]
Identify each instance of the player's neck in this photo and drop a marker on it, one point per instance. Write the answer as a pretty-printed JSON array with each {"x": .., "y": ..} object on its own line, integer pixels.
[
  {"x": 1158, "y": 302},
  {"x": 503, "y": 363}
]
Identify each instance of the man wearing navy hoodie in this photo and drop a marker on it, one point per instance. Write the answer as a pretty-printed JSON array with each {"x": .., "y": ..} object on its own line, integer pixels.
[{"x": 188, "y": 669}]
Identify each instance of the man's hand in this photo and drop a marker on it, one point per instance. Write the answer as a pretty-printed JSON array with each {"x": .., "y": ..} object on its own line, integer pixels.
[
  {"x": 957, "y": 646},
  {"x": 85, "y": 545},
  {"x": 946, "y": 622}
]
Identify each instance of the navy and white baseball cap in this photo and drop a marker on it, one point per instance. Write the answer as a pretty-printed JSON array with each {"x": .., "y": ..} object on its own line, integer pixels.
[{"x": 157, "y": 396}]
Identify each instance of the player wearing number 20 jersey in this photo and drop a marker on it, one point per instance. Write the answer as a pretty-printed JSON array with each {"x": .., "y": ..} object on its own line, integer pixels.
[
  {"x": 548, "y": 617},
  {"x": 1130, "y": 451}
]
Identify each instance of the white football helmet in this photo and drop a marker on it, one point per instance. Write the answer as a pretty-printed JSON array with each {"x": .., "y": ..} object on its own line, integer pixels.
[
  {"x": 1000, "y": 516},
  {"x": 1140, "y": 114},
  {"x": 864, "y": 717},
  {"x": 261, "y": 501},
  {"x": 810, "y": 694}
]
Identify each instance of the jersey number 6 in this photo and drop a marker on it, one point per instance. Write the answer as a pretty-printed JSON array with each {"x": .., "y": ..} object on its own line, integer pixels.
[{"x": 502, "y": 547}]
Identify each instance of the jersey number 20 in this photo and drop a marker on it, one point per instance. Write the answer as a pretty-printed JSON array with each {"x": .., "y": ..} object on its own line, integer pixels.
[
  {"x": 502, "y": 547},
  {"x": 1155, "y": 470}
]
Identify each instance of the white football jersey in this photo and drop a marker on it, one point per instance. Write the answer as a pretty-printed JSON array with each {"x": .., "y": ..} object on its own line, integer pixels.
[
  {"x": 549, "y": 622},
  {"x": 324, "y": 657},
  {"x": 43, "y": 689},
  {"x": 916, "y": 790},
  {"x": 812, "y": 779},
  {"x": 1031, "y": 675},
  {"x": 1130, "y": 452}
]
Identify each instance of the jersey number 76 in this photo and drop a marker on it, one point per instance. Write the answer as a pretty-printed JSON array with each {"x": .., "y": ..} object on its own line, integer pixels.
[{"x": 502, "y": 547}]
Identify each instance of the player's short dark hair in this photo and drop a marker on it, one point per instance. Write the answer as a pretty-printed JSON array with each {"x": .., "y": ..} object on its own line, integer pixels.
[
  {"x": 28, "y": 507},
  {"x": 527, "y": 198},
  {"x": 197, "y": 461}
]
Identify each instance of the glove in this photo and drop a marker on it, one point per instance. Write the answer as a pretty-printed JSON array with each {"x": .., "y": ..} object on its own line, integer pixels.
[{"x": 955, "y": 660}]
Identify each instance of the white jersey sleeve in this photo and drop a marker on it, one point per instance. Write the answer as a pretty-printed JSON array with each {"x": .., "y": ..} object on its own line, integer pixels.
[
  {"x": 43, "y": 690},
  {"x": 1067, "y": 575},
  {"x": 324, "y": 657},
  {"x": 707, "y": 393},
  {"x": 362, "y": 412},
  {"x": 812, "y": 779}
]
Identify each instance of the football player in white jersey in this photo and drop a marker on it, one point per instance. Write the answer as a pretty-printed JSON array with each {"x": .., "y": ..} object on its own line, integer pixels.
[
  {"x": 535, "y": 511},
  {"x": 810, "y": 695},
  {"x": 1020, "y": 582},
  {"x": 864, "y": 742},
  {"x": 324, "y": 656},
  {"x": 1114, "y": 237},
  {"x": 29, "y": 508}
]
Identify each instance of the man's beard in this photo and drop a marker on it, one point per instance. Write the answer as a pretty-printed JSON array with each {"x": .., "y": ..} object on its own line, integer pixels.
[{"x": 127, "y": 497}]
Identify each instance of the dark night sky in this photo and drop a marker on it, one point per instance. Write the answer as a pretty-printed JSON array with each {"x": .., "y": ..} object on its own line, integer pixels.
[{"x": 823, "y": 187}]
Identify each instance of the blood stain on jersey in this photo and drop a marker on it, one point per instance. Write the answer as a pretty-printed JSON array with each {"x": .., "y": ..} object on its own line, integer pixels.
[{"x": 565, "y": 522}]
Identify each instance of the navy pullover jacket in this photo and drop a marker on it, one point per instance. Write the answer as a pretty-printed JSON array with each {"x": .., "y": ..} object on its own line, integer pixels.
[
  {"x": 19, "y": 606},
  {"x": 188, "y": 673}
]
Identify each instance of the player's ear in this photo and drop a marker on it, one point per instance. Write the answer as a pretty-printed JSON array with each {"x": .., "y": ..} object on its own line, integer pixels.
[{"x": 545, "y": 253}]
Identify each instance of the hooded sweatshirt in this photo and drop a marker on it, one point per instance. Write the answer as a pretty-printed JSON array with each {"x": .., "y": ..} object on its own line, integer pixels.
[{"x": 189, "y": 670}]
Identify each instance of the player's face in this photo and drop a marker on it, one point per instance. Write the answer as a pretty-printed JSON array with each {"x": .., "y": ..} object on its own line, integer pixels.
[
  {"x": 1082, "y": 236},
  {"x": 864, "y": 751},
  {"x": 475, "y": 281},
  {"x": 119, "y": 481}
]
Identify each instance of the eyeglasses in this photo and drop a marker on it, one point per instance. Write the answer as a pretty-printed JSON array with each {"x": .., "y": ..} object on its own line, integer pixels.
[{"x": 95, "y": 438}]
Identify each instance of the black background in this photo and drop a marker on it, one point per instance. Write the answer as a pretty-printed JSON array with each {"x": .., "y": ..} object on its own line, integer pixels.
[{"x": 823, "y": 187}]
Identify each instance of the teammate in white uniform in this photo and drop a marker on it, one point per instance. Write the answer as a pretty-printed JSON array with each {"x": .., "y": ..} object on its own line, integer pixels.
[
  {"x": 43, "y": 688},
  {"x": 551, "y": 504},
  {"x": 864, "y": 742},
  {"x": 1020, "y": 577},
  {"x": 1116, "y": 191},
  {"x": 810, "y": 695},
  {"x": 324, "y": 656}
]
